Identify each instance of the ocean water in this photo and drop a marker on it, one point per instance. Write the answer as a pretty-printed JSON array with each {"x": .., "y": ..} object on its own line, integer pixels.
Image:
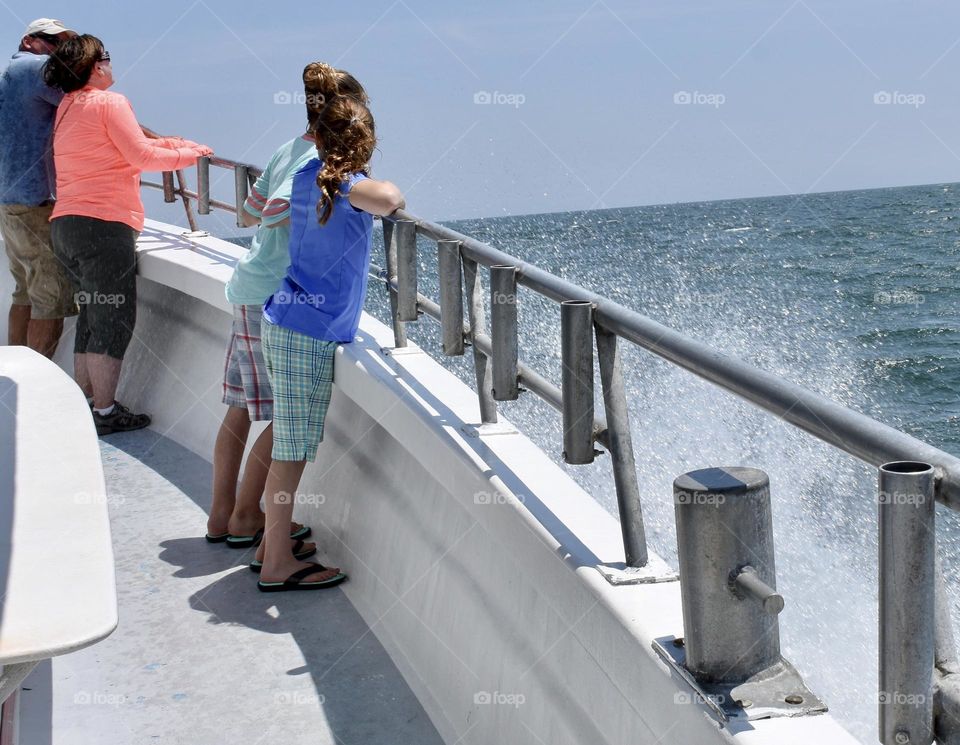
[{"x": 853, "y": 295}]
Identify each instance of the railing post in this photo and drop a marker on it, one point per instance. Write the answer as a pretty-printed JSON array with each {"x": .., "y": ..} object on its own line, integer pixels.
[
  {"x": 451, "y": 297},
  {"x": 169, "y": 190},
  {"x": 576, "y": 332},
  {"x": 945, "y": 647},
  {"x": 503, "y": 331},
  {"x": 241, "y": 178},
  {"x": 390, "y": 248},
  {"x": 482, "y": 364},
  {"x": 946, "y": 697},
  {"x": 405, "y": 236},
  {"x": 620, "y": 443},
  {"x": 907, "y": 607},
  {"x": 188, "y": 210},
  {"x": 727, "y": 574},
  {"x": 203, "y": 185}
]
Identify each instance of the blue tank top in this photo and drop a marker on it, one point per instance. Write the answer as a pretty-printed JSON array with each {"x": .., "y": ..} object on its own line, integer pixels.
[{"x": 325, "y": 285}]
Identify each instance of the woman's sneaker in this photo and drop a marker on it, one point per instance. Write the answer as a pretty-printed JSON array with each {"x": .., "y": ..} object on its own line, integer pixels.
[{"x": 121, "y": 419}]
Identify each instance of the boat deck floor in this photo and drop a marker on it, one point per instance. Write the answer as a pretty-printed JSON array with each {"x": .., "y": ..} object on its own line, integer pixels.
[{"x": 200, "y": 655}]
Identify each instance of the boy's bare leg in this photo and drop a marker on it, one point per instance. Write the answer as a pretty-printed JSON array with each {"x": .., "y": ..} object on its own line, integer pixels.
[
  {"x": 247, "y": 517},
  {"x": 227, "y": 456}
]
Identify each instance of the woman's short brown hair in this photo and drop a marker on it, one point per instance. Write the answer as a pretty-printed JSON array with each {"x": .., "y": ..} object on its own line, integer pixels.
[{"x": 71, "y": 67}]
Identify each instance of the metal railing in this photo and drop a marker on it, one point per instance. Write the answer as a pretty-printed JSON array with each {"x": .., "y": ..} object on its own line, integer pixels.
[
  {"x": 174, "y": 184},
  {"x": 917, "y": 647}
]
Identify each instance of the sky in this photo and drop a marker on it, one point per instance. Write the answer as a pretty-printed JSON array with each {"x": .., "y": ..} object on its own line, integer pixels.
[{"x": 506, "y": 108}]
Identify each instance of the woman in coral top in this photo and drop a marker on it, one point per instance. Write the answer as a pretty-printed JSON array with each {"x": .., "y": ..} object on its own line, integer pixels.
[{"x": 99, "y": 153}]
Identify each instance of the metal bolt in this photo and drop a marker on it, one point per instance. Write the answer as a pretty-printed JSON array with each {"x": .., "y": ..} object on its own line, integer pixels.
[
  {"x": 678, "y": 642},
  {"x": 794, "y": 698},
  {"x": 902, "y": 737},
  {"x": 745, "y": 703}
]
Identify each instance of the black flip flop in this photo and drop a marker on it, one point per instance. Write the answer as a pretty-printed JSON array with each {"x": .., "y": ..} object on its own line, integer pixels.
[
  {"x": 250, "y": 541},
  {"x": 217, "y": 538},
  {"x": 294, "y": 583},
  {"x": 298, "y": 553}
]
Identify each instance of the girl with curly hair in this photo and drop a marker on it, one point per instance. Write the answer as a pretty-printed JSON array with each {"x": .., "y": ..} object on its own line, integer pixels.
[
  {"x": 316, "y": 309},
  {"x": 236, "y": 519}
]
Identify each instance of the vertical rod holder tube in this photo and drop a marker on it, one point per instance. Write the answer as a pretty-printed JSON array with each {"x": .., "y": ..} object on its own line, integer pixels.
[
  {"x": 503, "y": 331},
  {"x": 907, "y": 602},
  {"x": 405, "y": 234},
  {"x": 451, "y": 297},
  {"x": 576, "y": 332},
  {"x": 390, "y": 249},
  {"x": 724, "y": 527},
  {"x": 203, "y": 185},
  {"x": 241, "y": 179},
  {"x": 478, "y": 323},
  {"x": 620, "y": 443},
  {"x": 169, "y": 190}
]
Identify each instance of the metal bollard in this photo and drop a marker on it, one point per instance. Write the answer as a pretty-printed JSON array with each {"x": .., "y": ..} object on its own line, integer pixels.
[
  {"x": 907, "y": 592},
  {"x": 727, "y": 573},
  {"x": 576, "y": 333},
  {"x": 203, "y": 185},
  {"x": 503, "y": 331}
]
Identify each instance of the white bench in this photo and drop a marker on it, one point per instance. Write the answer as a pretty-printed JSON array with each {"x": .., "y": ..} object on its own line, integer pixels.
[{"x": 57, "y": 586}]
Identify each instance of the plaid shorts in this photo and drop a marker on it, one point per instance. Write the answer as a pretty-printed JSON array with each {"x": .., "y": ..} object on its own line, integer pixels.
[
  {"x": 301, "y": 373},
  {"x": 246, "y": 384}
]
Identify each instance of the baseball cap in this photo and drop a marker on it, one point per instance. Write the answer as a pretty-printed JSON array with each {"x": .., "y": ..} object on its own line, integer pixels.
[{"x": 48, "y": 26}]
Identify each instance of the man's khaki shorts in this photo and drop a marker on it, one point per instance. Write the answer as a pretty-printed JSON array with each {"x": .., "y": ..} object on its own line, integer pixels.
[{"x": 40, "y": 278}]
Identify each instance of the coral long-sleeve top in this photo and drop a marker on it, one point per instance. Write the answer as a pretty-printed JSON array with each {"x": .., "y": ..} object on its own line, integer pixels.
[{"x": 99, "y": 153}]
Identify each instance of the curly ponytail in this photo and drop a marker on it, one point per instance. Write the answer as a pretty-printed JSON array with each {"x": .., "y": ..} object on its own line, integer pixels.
[
  {"x": 322, "y": 83},
  {"x": 346, "y": 138}
]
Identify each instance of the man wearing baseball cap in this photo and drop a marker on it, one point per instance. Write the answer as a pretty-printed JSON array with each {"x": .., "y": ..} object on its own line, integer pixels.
[{"x": 43, "y": 296}]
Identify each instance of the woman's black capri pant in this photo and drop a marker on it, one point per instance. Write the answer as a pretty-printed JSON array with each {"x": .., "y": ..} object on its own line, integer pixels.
[{"x": 100, "y": 259}]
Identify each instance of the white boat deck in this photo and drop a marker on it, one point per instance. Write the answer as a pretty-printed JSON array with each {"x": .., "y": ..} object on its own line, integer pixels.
[
  {"x": 200, "y": 655},
  {"x": 474, "y": 558}
]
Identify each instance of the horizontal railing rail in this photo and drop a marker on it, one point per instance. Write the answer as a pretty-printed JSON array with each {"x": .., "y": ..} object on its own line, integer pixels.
[
  {"x": 590, "y": 321},
  {"x": 853, "y": 432}
]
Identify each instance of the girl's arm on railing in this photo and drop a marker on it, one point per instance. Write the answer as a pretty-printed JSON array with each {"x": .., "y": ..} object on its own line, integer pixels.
[{"x": 376, "y": 197}]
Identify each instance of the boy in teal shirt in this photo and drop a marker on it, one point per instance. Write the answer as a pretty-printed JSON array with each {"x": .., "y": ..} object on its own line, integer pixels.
[{"x": 235, "y": 514}]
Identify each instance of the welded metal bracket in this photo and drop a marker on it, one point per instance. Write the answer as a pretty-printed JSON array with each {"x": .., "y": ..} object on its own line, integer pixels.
[
  {"x": 400, "y": 351},
  {"x": 488, "y": 430},
  {"x": 656, "y": 570},
  {"x": 778, "y": 691}
]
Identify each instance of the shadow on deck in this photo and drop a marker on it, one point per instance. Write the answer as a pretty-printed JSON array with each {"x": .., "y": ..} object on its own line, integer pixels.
[{"x": 200, "y": 655}]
